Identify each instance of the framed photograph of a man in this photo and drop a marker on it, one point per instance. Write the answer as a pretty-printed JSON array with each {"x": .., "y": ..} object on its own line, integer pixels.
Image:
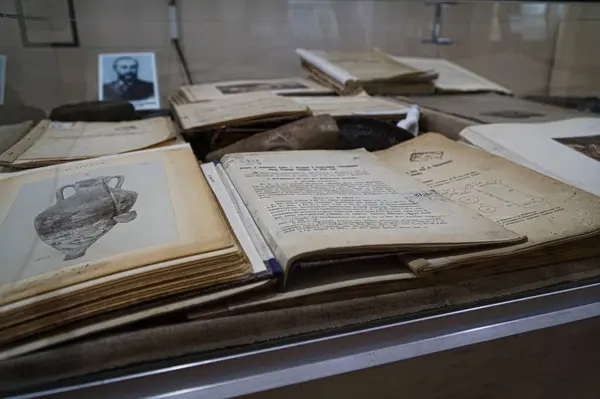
[
  {"x": 129, "y": 76},
  {"x": 2, "y": 77}
]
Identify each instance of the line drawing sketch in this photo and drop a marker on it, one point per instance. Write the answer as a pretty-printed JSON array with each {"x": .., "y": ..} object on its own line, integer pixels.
[
  {"x": 488, "y": 196},
  {"x": 76, "y": 222}
]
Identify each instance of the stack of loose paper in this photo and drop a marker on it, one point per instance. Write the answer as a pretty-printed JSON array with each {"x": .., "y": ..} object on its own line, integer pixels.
[
  {"x": 238, "y": 110},
  {"x": 560, "y": 221},
  {"x": 567, "y": 150},
  {"x": 51, "y": 142},
  {"x": 217, "y": 90},
  {"x": 452, "y": 77},
  {"x": 374, "y": 71},
  {"x": 122, "y": 237}
]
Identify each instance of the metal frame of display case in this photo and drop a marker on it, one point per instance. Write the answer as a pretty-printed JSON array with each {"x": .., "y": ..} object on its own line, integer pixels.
[{"x": 278, "y": 364}]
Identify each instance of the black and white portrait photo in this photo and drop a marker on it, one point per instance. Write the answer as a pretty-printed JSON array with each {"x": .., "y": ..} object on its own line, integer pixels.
[
  {"x": 2, "y": 77},
  {"x": 130, "y": 77}
]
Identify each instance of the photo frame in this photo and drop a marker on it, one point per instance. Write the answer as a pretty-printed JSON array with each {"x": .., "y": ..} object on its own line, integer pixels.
[
  {"x": 140, "y": 88},
  {"x": 29, "y": 22}
]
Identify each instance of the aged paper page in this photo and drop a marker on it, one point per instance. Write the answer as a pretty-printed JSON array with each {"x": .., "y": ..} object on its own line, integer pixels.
[
  {"x": 59, "y": 224},
  {"x": 237, "y": 109},
  {"x": 529, "y": 203},
  {"x": 351, "y": 105},
  {"x": 76, "y": 140},
  {"x": 216, "y": 90},
  {"x": 311, "y": 202},
  {"x": 453, "y": 77}
]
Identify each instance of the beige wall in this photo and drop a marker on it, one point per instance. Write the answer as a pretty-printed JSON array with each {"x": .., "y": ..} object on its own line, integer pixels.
[
  {"x": 576, "y": 69},
  {"x": 228, "y": 39}
]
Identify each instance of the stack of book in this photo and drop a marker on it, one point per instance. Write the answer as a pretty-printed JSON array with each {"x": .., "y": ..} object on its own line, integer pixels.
[
  {"x": 375, "y": 72},
  {"x": 121, "y": 237}
]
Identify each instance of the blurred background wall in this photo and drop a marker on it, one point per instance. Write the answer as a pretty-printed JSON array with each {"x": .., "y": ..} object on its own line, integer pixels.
[{"x": 532, "y": 48}]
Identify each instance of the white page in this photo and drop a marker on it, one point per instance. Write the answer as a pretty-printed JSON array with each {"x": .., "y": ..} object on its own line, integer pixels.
[
  {"x": 539, "y": 147},
  {"x": 215, "y": 183},
  {"x": 318, "y": 202}
]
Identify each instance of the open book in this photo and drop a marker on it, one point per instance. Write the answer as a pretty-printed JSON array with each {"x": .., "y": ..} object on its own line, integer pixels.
[
  {"x": 313, "y": 207},
  {"x": 567, "y": 150},
  {"x": 51, "y": 142},
  {"x": 374, "y": 71},
  {"x": 560, "y": 221},
  {"x": 217, "y": 90},
  {"x": 81, "y": 239}
]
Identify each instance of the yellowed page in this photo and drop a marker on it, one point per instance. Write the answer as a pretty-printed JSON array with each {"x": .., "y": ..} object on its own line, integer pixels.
[
  {"x": 311, "y": 202},
  {"x": 77, "y": 140},
  {"x": 236, "y": 109},
  {"x": 217, "y": 90},
  {"x": 69, "y": 223},
  {"x": 453, "y": 77},
  {"x": 529, "y": 203},
  {"x": 351, "y": 105}
]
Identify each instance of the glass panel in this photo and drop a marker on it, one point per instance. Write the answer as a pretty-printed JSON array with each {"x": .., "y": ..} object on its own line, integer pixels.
[{"x": 49, "y": 49}]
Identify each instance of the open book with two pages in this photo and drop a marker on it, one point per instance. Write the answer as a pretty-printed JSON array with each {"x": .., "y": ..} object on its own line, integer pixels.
[{"x": 321, "y": 201}]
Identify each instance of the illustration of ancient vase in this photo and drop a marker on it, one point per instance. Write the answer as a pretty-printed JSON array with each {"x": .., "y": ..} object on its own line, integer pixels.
[{"x": 76, "y": 222}]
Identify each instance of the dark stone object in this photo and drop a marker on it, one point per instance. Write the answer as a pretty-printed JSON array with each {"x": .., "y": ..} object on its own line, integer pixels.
[
  {"x": 95, "y": 111},
  {"x": 312, "y": 133},
  {"x": 371, "y": 134}
]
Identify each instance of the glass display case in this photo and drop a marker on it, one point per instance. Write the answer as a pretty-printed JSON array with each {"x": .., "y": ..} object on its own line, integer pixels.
[{"x": 57, "y": 52}]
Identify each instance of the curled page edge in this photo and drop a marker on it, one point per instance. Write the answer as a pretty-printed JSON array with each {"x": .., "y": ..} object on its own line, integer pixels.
[{"x": 259, "y": 259}]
